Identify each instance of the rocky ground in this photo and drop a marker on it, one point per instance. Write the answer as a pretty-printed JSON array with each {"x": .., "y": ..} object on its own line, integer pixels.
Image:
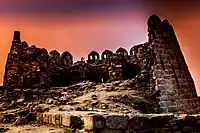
[
  {"x": 8, "y": 128},
  {"x": 127, "y": 96}
]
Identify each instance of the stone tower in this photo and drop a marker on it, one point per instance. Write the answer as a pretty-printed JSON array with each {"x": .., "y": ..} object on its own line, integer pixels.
[
  {"x": 173, "y": 79},
  {"x": 11, "y": 76},
  {"x": 26, "y": 66}
]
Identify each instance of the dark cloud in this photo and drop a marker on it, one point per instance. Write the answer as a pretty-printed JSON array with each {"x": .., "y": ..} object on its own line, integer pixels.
[
  {"x": 69, "y": 6},
  {"x": 170, "y": 8},
  {"x": 64, "y": 5}
]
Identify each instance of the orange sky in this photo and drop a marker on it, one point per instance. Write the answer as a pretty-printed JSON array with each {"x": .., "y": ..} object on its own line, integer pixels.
[{"x": 82, "y": 33}]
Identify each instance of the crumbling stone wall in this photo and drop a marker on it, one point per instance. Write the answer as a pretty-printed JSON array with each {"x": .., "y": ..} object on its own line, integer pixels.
[
  {"x": 26, "y": 67},
  {"x": 171, "y": 72},
  {"x": 32, "y": 67},
  {"x": 159, "y": 61}
]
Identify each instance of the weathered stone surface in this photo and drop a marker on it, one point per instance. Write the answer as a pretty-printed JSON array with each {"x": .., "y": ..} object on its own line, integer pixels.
[
  {"x": 92, "y": 122},
  {"x": 45, "y": 118},
  {"x": 143, "y": 123},
  {"x": 160, "y": 121},
  {"x": 58, "y": 119},
  {"x": 21, "y": 121},
  {"x": 76, "y": 122},
  {"x": 39, "y": 117},
  {"x": 139, "y": 122},
  {"x": 117, "y": 122},
  {"x": 66, "y": 120}
]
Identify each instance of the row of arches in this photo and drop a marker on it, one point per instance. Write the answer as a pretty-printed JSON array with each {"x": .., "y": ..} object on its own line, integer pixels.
[
  {"x": 67, "y": 58},
  {"x": 107, "y": 53},
  {"x": 64, "y": 55},
  {"x": 76, "y": 73}
]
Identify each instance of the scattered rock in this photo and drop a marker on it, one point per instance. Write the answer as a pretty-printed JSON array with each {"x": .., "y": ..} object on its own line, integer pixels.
[
  {"x": 94, "y": 97},
  {"x": 21, "y": 121},
  {"x": 50, "y": 101},
  {"x": 42, "y": 108},
  {"x": 3, "y": 130},
  {"x": 61, "y": 109},
  {"x": 20, "y": 100}
]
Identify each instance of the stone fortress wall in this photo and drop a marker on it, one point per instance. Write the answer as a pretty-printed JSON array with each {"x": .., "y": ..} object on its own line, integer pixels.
[
  {"x": 173, "y": 78},
  {"x": 159, "y": 60},
  {"x": 48, "y": 69}
]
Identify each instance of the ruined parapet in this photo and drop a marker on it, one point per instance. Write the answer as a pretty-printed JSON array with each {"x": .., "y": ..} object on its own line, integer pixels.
[
  {"x": 12, "y": 75},
  {"x": 54, "y": 63},
  {"x": 78, "y": 71},
  {"x": 116, "y": 61},
  {"x": 17, "y": 37},
  {"x": 26, "y": 67},
  {"x": 172, "y": 76},
  {"x": 106, "y": 57},
  {"x": 35, "y": 70},
  {"x": 66, "y": 59},
  {"x": 93, "y": 58}
]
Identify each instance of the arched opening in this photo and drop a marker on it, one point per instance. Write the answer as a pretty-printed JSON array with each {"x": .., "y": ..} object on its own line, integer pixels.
[
  {"x": 122, "y": 51},
  {"x": 93, "y": 57},
  {"x": 106, "y": 54},
  {"x": 67, "y": 59}
]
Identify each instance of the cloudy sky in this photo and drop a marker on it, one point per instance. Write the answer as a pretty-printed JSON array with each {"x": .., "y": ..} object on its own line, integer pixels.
[{"x": 80, "y": 26}]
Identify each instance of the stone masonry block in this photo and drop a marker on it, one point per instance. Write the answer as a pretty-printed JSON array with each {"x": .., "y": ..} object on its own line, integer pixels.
[
  {"x": 50, "y": 118},
  {"x": 117, "y": 122},
  {"x": 138, "y": 122},
  {"x": 45, "y": 118},
  {"x": 92, "y": 122},
  {"x": 160, "y": 121},
  {"x": 54, "y": 119},
  {"x": 39, "y": 117},
  {"x": 66, "y": 120},
  {"x": 58, "y": 119},
  {"x": 74, "y": 122}
]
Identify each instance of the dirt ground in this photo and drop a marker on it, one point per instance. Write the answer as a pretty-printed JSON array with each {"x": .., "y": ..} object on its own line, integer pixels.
[{"x": 7, "y": 128}]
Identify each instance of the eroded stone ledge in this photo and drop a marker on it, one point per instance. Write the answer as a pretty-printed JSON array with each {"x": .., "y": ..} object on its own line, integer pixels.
[{"x": 141, "y": 123}]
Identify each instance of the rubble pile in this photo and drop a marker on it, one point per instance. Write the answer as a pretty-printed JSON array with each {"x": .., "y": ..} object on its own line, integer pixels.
[{"x": 125, "y": 96}]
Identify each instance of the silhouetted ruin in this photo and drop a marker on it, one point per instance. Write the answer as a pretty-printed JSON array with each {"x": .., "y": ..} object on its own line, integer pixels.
[{"x": 159, "y": 61}]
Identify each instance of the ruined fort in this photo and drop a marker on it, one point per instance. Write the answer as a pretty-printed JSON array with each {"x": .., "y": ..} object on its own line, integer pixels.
[{"x": 157, "y": 66}]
